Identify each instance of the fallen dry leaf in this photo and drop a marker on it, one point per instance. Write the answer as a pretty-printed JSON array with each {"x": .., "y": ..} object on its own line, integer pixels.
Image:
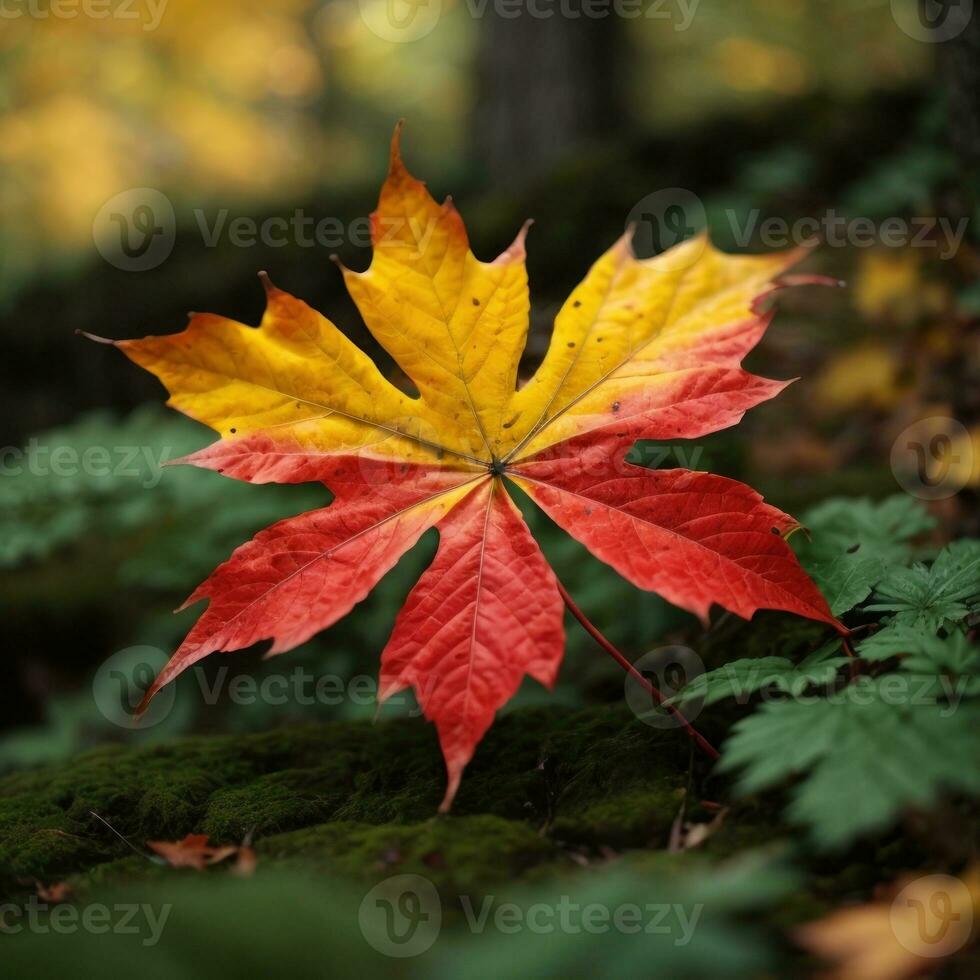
[
  {"x": 59, "y": 891},
  {"x": 191, "y": 852}
]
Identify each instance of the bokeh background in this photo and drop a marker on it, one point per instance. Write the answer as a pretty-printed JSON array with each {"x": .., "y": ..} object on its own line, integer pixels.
[{"x": 265, "y": 110}]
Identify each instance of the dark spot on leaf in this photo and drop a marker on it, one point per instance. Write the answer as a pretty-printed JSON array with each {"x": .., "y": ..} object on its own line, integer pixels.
[
  {"x": 511, "y": 421},
  {"x": 615, "y": 406},
  {"x": 233, "y": 431},
  {"x": 571, "y": 343},
  {"x": 775, "y": 530},
  {"x": 577, "y": 303},
  {"x": 853, "y": 548},
  {"x": 476, "y": 302}
]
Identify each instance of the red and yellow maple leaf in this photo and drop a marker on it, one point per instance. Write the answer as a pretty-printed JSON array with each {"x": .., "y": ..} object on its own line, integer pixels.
[{"x": 641, "y": 350}]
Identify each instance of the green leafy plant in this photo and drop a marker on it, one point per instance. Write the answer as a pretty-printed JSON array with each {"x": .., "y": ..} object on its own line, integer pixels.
[{"x": 860, "y": 739}]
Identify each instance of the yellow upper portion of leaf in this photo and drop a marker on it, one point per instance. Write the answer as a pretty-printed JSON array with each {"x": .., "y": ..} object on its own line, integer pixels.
[
  {"x": 296, "y": 375},
  {"x": 628, "y": 324},
  {"x": 457, "y": 327}
]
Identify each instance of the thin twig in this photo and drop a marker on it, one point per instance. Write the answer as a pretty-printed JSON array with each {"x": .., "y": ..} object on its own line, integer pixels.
[
  {"x": 128, "y": 843},
  {"x": 703, "y": 744}
]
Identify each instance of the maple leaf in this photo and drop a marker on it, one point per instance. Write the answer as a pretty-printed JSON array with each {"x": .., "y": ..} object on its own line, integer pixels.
[{"x": 641, "y": 350}]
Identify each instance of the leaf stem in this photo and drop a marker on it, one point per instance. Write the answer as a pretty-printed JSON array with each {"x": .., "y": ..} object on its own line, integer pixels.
[
  {"x": 702, "y": 743},
  {"x": 852, "y": 658}
]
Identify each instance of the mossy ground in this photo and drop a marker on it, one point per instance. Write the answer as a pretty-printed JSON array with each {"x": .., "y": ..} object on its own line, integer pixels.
[
  {"x": 549, "y": 787},
  {"x": 347, "y": 804}
]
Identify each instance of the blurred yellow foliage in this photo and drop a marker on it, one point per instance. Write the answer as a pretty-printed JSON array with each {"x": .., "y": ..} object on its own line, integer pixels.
[
  {"x": 866, "y": 376},
  {"x": 890, "y": 286},
  {"x": 243, "y": 97},
  {"x": 748, "y": 64},
  {"x": 915, "y": 925}
]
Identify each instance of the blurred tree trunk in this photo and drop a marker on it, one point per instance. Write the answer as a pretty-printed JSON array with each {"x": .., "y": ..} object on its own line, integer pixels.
[
  {"x": 545, "y": 87},
  {"x": 958, "y": 60}
]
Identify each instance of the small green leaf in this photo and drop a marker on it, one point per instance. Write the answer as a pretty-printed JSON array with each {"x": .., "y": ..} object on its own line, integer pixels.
[
  {"x": 865, "y": 529},
  {"x": 870, "y": 751},
  {"x": 941, "y": 658},
  {"x": 846, "y": 580},
  {"x": 740, "y": 678},
  {"x": 852, "y": 543},
  {"x": 931, "y": 598}
]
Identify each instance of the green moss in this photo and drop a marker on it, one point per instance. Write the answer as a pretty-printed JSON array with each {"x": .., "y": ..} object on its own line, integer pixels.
[
  {"x": 634, "y": 818},
  {"x": 542, "y": 778},
  {"x": 548, "y": 790},
  {"x": 457, "y": 853},
  {"x": 272, "y": 803}
]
